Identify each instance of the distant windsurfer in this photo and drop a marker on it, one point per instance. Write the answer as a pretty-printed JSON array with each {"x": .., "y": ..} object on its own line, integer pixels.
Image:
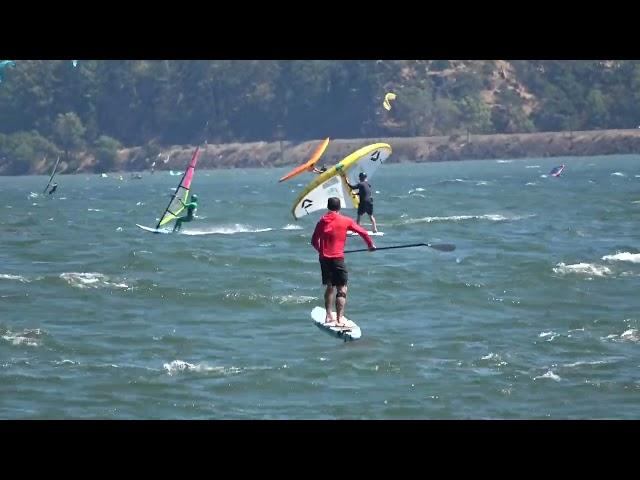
[
  {"x": 328, "y": 239},
  {"x": 54, "y": 187},
  {"x": 365, "y": 204},
  {"x": 191, "y": 210},
  {"x": 556, "y": 171}
]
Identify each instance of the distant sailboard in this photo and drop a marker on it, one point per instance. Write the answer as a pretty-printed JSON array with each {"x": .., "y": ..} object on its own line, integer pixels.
[
  {"x": 53, "y": 173},
  {"x": 556, "y": 171}
]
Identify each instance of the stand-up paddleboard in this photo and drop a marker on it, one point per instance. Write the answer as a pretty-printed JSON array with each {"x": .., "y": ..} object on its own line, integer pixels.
[
  {"x": 372, "y": 234},
  {"x": 154, "y": 230},
  {"x": 351, "y": 332}
]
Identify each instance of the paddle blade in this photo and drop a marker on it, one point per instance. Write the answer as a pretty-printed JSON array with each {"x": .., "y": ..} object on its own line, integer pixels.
[{"x": 443, "y": 247}]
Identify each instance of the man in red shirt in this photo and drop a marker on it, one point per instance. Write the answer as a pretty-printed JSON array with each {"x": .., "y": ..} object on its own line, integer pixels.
[{"x": 328, "y": 239}]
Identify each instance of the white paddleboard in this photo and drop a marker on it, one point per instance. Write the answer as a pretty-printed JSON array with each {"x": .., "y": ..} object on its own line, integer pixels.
[
  {"x": 352, "y": 332},
  {"x": 372, "y": 234},
  {"x": 153, "y": 230}
]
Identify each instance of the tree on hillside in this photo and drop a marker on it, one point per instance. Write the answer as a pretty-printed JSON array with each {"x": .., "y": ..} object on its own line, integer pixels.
[
  {"x": 69, "y": 133},
  {"x": 105, "y": 149}
]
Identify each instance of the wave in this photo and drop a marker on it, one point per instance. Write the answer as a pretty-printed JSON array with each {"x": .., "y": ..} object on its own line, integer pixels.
[
  {"x": 624, "y": 257},
  {"x": 31, "y": 337},
  {"x": 237, "y": 228},
  {"x": 551, "y": 335},
  {"x": 89, "y": 280},
  {"x": 458, "y": 218},
  {"x": 582, "y": 268},
  {"x": 532, "y": 166},
  {"x": 181, "y": 366},
  {"x": 578, "y": 364},
  {"x": 455, "y": 180},
  {"x": 292, "y": 227},
  {"x": 618, "y": 174},
  {"x": 19, "y": 278},
  {"x": 549, "y": 375},
  {"x": 279, "y": 299},
  {"x": 630, "y": 335},
  {"x": 495, "y": 359}
]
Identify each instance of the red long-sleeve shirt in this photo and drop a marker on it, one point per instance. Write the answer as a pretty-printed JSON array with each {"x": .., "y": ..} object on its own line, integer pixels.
[{"x": 331, "y": 233}]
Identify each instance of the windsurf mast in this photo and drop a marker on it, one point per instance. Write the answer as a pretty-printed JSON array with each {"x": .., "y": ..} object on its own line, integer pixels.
[{"x": 52, "y": 175}]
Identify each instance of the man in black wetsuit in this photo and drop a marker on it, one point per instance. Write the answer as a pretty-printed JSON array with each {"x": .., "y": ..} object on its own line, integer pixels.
[
  {"x": 54, "y": 187},
  {"x": 366, "y": 200}
]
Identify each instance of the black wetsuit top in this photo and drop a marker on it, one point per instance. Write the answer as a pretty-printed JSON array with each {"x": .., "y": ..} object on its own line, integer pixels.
[{"x": 364, "y": 192}]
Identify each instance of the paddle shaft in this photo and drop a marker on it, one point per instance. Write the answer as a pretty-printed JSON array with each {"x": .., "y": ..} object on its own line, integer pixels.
[{"x": 443, "y": 247}]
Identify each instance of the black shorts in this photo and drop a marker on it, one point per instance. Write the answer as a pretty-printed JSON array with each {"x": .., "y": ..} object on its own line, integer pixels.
[
  {"x": 365, "y": 207},
  {"x": 334, "y": 272}
]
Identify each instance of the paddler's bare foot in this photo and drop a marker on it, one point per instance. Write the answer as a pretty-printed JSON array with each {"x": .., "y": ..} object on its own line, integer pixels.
[
  {"x": 329, "y": 318},
  {"x": 341, "y": 322}
]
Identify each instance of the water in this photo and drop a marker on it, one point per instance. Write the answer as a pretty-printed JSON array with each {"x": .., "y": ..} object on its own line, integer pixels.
[{"x": 535, "y": 315}]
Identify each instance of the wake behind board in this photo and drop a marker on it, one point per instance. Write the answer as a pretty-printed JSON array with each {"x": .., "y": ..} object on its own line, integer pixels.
[
  {"x": 353, "y": 332},
  {"x": 371, "y": 234},
  {"x": 154, "y": 230}
]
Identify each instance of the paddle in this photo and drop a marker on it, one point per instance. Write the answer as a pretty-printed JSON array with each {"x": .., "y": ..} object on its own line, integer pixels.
[{"x": 443, "y": 247}]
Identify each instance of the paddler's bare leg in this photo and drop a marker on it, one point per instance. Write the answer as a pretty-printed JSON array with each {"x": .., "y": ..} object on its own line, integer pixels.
[
  {"x": 328, "y": 303},
  {"x": 341, "y": 301},
  {"x": 373, "y": 222}
]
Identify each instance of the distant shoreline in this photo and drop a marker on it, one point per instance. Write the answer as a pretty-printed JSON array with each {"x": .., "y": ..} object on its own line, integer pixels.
[{"x": 405, "y": 150}]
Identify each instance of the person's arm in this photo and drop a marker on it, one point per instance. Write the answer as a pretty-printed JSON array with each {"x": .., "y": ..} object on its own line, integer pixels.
[
  {"x": 354, "y": 227},
  {"x": 352, "y": 187},
  {"x": 315, "y": 239}
]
